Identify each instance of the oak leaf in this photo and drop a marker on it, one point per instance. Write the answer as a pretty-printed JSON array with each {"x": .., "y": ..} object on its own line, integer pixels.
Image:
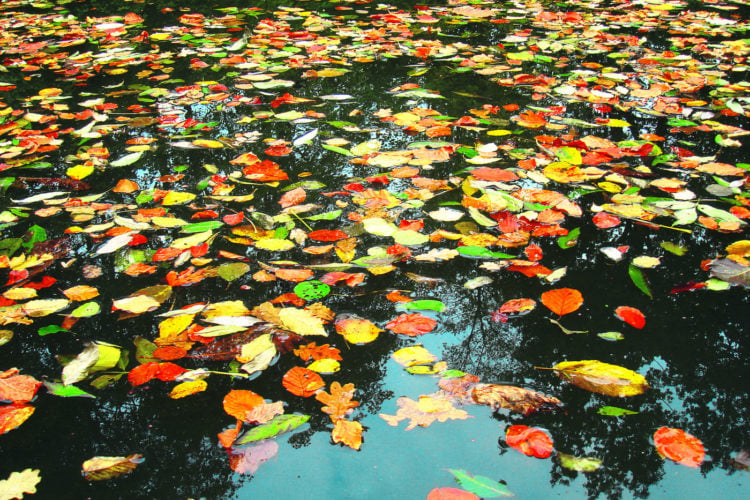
[
  {"x": 19, "y": 483},
  {"x": 424, "y": 412},
  {"x": 339, "y": 402},
  {"x": 348, "y": 433}
]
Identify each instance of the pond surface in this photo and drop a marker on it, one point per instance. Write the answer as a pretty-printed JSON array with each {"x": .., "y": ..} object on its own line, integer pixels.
[{"x": 373, "y": 177}]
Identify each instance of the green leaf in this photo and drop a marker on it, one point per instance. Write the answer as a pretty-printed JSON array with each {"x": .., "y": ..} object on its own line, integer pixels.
[
  {"x": 340, "y": 124},
  {"x": 9, "y": 246},
  {"x": 639, "y": 279},
  {"x": 337, "y": 149},
  {"x": 478, "y": 252},
  {"x": 47, "y": 330},
  {"x": 570, "y": 239},
  {"x": 86, "y": 310},
  {"x": 423, "y": 305},
  {"x": 614, "y": 411},
  {"x": 199, "y": 227},
  {"x": 452, "y": 373},
  {"x": 278, "y": 425},
  {"x": 230, "y": 271},
  {"x": 144, "y": 350},
  {"x": 6, "y": 182},
  {"x": 126, "y": 160},
  {"x": 612, "y": 336},
  {"x": 580, "y": 464},
  {"x": 333, "y": 214},
  {"x": 66, "y": 391},
  {"x": 678, "y": 122},
  {"x": 35, "y": 234},
  {"x": 311, "y": 290},
  {"x": 674, "y": 248},
  {"x": 481, "y": 486}
]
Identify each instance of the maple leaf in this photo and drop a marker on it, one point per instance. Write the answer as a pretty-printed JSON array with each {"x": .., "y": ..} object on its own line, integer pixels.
[
  {"x": 424, "y": 412},
  {"x": 315, "y": 352},
  {"x": 339, "y": 402}
]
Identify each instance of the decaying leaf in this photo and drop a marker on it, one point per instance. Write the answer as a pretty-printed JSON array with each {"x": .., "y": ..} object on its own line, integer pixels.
[
  {"x": 424, "y": 412},
  {"x": 102, "y": 468},
  {"x": 515, "y": 399}
]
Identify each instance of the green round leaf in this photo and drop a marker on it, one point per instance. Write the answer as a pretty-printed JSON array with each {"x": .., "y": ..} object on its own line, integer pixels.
[{"x": 310, "y": 290}]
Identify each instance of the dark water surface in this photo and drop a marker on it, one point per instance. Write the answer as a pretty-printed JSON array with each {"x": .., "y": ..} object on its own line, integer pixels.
[{"x": 692, "y": 351}]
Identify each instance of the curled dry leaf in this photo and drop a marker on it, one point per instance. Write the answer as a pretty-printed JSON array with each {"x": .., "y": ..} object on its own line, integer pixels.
[
  {"x": 515, "y": 399},
  {"x": 602, "y": 378}
]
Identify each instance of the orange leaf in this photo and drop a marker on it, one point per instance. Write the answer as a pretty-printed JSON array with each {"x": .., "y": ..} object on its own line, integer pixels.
[
  {"x": 316, "y": 352},
  {"x": 302, "y": 382},
  {"x": 295, "y": 275},
  {"x": 518, "y": 306},
  {"x": 529, "y": 441},
  {"x": 149, "y": 371},
  {"x": 169, "y": 353},
  {"x": 562, "y": 301},
  {"x": 411, "y": 324},
  {"x": 339, "y": 402},
  {"x": 327, "y": 235},
  {"x": 451, "y": 494},
  {"x": 17, "y": 388},
  {"x": 238, "y": 402},
  {"x": 678, "y": 445},
  {"x": 395, "y": 296},
  {"x": 137, "y": 268},
  {"x": 348, "y": 433},
  {"x": 493, "y": 174},
  {"x": 126, "y": 186},
  {"x": 227, "y": 436},
  {"x": 631, "y": 316},
  {"x": 293, "y": 197},
  {"x": 11, "y": 416},
  {"x": 81, "y": 292}
]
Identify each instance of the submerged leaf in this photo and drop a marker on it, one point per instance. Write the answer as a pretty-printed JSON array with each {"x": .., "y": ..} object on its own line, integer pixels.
[
  {"x": 678, "y": 445},
  {"x": 481, "y": 486},
  {"x": 602, "y": 378}
]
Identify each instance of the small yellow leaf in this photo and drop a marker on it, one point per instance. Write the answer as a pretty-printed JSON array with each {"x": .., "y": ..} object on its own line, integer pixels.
[
  {"x": 137, "y": 304},
  {"x": 414, "y": 355},
  {"x": 208, "y": 143},
  {"x": 602, "y": 378},
  {"x": 274, "y": 244},
  {"x": 79, "y": 171},
  {"x": 20, "y": 293},
  {"x": 646, "y": 262},
  {"x": 177, "y": 198},
  {"x": 356, "y": 330},
  {"x": 301, "y": 322},
  {"x": 188, "y": 388},
  {"x": 325, "y": 366},
  {"x": 253, "y": 348}
]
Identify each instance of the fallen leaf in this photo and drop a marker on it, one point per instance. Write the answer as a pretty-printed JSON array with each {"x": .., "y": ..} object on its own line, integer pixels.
[
  {"x": 302, "y": 382},
  {"x": 19, "y": 483},
  {"x": 413, "y": 324},
  {"x": 562, "y": 301},
  {"x": 516, "y": 399},
  {"x": 530, "y": 441},
  {"x": 102, "y": 468},
  {"x": 631, "y": 316},
  {"x": 602, "y": 378},
  {"x": 238, "y": 402},
  {"x": 678, "y": 445}
]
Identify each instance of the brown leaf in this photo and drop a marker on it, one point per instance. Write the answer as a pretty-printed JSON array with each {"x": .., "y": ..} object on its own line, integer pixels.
[
  {"x": 515, "y": 399},
  {"x": 101, "y": 468}
]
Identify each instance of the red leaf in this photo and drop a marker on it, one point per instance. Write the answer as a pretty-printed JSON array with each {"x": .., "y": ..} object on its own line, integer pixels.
[
  {"x": 302, "y": 382},
  {"x": 604, "y": 220},
  {"x": 412, "y": 324},
  {"x": 631, "y": 316},
  {"x": 529, "y": 441},
  {"x": 11, "y": 416},
  {"x": 518, "y": 306},
  {"x": 678, "y": 445},
  {"x": 278, "y": 150},
  {"x": 451, "y": 494},
  {"x": 149, "y": 371},
  {"x": 493, "y": 174},
  {"x": 293, "y": 197},
  {"x": 327, "y": 235},
  {"x": 164, "y": 254},
  {"x": 534, "y": 252},
  {"x": 233, "y": 219},
  {"x": 562, "y": 301},
  {"x": 17, "y": 388},
  {"x": 169, "y": 353}
]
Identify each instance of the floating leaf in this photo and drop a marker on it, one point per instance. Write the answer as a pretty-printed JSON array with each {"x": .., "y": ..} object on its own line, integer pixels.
[
  {"x": 631, "y": 316},
  {"x": 678, "y": 445},
  {"x": 13, "y": 415},
  {"x": 348, "y": 433},
  {"x": 481, "y": 486},
  {"x": 562, "y": 301},
  {"x": 302, "y": 382},
  {"x": 312, "y": 290},
  {"x": 411, "y": 324},
  {"x": 17, "y": 388},
  {"x": 413, "y": 355},
  {"x": 239, "y": 401},
  {"x": 515, "y": 399},
  {"x": 639, "y": 279},
  {"x": 279, "y": 425},
  {"x": 230, "y": 271},
  {"x": 530, "y": 441},
  {"x": 102, "y": 468},
  {"x": 580, "y": 464},
  {"x": 423, "y": 305},
  {"x": 614, "y": 411},
  {"x": 356, "y": 330},
  {"x": 19, "y": 483},
  {"x": 602, "y": 378},
  {"x": 66, "y": 391}
]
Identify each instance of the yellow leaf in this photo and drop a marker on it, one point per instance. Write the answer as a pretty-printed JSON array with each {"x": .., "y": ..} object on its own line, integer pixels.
[
  {"x": 646, "y": 262},
  {"x": 191, "y": 241},
  {"x": 208, "y": 143},
  {"x": 19, "y": 483},
  {"x": 170, "y": 328},
  {"x": 499, "y": 132},
  {"x": 79, "y": 171},
  {"x": 739, "y": 248},
  {"x": 356, "y": 330},
  {"x": 226, "y": 308},
  {"x": 177, "y": 198},
  {"x": 188, "y": 388},
  {"x": 414, "y": 355},
  {"x": 274, "y": 244},
  {"x": 137, "y": 304},
  {"x": 301, "y": 322},
  {"x": 602, "y": 378},
  {"x": 330, "y": 72},
  {"x": 325, "y": 366},
  {"x": 20, "y": 293},
  {"x": 168, "y": 221},
  {"x": 38, "y": 308},
  {"x": 256, "y": 346}
]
